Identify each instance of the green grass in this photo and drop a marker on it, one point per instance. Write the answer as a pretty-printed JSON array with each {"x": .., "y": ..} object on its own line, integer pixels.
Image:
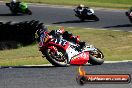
[
  {"x": 93, "y": 3},
  {"x": 114, "y": 44},
  {"x": 21, "y": 56}
]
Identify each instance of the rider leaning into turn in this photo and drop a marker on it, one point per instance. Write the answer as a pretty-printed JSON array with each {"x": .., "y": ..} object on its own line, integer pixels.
[
  {"x": 130, "y": 10},
  {"x": 84, "y": 10},
  {"x": 15, "y": 3},
  {"x": 57, "y": 34},
  {"x": 80, "y": 8},
  {"x": 67, "y": 36}
]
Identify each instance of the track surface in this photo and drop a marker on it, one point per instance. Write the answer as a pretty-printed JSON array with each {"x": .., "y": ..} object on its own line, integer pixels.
[
  {"x": 59, "y": 77},
  {"x": 65, "y": 16},
  {"x": 64, "y": 77}
]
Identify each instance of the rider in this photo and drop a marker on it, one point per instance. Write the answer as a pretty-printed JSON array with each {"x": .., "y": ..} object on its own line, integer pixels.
[
  {"x": 130, "y": 10},
  {"x": 67, "y": 36},
  {"x": 80, "y": 8},
  {"x": 15, "y": 3},
  {"x": 57, "y": 34},
  {"x": 84, "y": 10}
]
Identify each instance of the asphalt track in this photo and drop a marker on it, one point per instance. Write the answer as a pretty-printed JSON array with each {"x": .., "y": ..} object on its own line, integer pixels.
[
  {"x": 59, "y": 77},
  {"x": 64, "y": 77},
  {"x": 52, "y": 15}
]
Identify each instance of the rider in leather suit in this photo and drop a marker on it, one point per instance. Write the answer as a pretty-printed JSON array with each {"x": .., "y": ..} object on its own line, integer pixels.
[
  {"x": 130, "y": 11},
  {"x": 82, "y": 10},
  {"x": 15, "y": 3},
  {"x": 58, "y": 33}
]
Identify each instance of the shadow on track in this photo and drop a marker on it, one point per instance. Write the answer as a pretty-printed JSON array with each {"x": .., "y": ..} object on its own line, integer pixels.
[
  {"x": 9, "y": 14},
  {"x": 2, "y": 67},
  {"x": 119, "y": 26},
  {"x": 45, "y": 66},
  {"x": 74, "y": 21}
]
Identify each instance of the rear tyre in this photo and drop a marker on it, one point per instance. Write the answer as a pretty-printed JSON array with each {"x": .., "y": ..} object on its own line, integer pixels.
[
  {"x": 96, "y": 59},
  {"x": 82, "y": 19},
  {"x": 60, "y": 60},
  {"x": 127, "y": 13}
]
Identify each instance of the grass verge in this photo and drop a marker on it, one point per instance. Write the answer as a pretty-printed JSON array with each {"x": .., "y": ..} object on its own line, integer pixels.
[
  {"x": 115, "y": 45},
  {"x": 92, "y": 3}
]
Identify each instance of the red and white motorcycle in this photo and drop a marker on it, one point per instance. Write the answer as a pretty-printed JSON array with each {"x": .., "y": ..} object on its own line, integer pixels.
[{"x": 60, "y": 52}]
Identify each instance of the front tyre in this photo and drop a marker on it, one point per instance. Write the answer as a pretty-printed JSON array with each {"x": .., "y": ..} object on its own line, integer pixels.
[
  {"x": 130, "y": 19},
  {"x": 95, "y": 18},
  {"x": 29, "y": 12},
  {"x": 96, "y": 58},
  {"x": 56, "y": 59}
]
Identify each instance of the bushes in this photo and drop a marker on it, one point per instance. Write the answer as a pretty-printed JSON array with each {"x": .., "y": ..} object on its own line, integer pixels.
[{"x": 21, "y": 33}]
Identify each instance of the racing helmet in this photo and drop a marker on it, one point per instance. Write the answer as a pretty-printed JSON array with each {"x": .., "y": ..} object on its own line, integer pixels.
[
  {"x": 58, "y": 33},
  {"x": 61, "y": 30},
  {"x": 14, "y": 1},
  {"x": 81, "y": 6},
  {"x": 38, "y": 33}
]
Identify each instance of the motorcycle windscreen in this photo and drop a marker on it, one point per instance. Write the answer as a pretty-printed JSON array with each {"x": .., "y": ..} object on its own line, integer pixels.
[{"x": 80, "y": 59}]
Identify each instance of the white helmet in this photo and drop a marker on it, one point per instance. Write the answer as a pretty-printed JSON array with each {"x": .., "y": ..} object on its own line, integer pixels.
[
  {"x": 14, "y": 1},
  {"x": 81, "y": 5}
]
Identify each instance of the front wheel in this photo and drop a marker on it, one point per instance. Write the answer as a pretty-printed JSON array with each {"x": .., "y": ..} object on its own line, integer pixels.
[
  {"x": 130, "y": 19},
  {"x": 29, "y": 12},
  {"x": 127, "y": 13},
  {"x": 96, "y": 57},
  {"x": 58, "y": 58},
  {"x": 95, "y": 18}
]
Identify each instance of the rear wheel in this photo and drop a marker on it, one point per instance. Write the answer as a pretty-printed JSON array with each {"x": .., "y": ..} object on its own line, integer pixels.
[
  {"x": 82, "y": 19},
  {"x": 58, "y": 58},
  {"x": 96, "y": 57},
  {"x": 14, "y": 12},
  {"x": 127, "y": 13}
]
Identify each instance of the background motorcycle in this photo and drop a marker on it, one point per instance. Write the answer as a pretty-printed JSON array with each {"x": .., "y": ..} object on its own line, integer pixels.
[
  {"x": 60, "y": 52},
  {"x": 19, "y": 7},
  {"x": 87, "y": 14},
  {"x": 129, "y": 15}
]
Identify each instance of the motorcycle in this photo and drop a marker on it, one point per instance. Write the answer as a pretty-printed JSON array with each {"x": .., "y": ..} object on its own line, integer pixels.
[
  {"x": 129, "y": 15},
  {"x": 60, "y": 52},
  {"x": 19, "y": 7},
  {"x": 86, "y": 14}
]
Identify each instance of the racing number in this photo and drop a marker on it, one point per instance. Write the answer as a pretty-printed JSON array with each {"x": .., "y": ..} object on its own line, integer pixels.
[{"x": 60, "y": 41}]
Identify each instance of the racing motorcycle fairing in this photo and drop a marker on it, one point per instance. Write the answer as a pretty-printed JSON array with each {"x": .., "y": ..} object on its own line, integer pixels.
[
  {"x": 86, "y": 14},
  {"x": 60, "y": 52},
  {"x": 80, "y": 59},
  {"x": 19, "y": 7},
  {"x": 59, "y": 42},
  {"x": 74, "y": 56}
]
